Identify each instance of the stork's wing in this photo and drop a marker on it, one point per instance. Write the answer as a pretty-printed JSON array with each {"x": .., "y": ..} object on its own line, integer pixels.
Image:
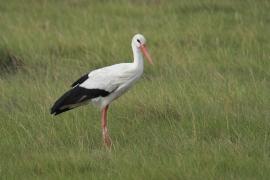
[
  {"x": 80, "y": 80},
  {"x": 75, "y": 97},
  {"x": 109, "y": 78},
  {"x": 98, "y": 83}
]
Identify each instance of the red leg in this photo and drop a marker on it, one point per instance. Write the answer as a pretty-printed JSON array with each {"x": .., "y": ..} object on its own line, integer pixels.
[{"x": 105, "y": 134}]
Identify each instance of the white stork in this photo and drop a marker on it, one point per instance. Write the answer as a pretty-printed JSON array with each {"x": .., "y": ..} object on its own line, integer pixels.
[{"x": 102, "y": 86}]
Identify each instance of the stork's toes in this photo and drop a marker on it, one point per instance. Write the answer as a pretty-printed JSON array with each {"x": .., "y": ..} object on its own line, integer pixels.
[{"x": 107, "y": 141}]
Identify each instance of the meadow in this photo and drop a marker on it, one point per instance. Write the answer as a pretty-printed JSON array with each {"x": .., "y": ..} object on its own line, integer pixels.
[{"x": 202, "y": 111}]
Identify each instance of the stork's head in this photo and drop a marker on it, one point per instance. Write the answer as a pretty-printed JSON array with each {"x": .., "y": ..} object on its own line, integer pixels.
[{"x": 139, "y": 42}]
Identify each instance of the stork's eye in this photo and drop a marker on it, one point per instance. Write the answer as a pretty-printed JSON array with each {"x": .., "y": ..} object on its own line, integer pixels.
[{"x": 138, "y": 41}]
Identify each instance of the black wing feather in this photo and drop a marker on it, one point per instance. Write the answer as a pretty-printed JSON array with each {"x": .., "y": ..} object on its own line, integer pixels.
[
  {"x": 76, "y": 97},
  {"x": 80, "y": 80}
]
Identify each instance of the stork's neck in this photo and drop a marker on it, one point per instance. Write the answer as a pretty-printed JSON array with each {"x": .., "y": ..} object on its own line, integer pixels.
[{"x": 138, "y": 57}]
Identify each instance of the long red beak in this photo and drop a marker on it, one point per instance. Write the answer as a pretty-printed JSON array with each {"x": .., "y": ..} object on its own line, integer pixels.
[{"x": 146, "y": 54}]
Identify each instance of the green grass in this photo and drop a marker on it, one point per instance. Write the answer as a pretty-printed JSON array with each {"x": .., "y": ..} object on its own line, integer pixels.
[{"x": 201, "y": 112}]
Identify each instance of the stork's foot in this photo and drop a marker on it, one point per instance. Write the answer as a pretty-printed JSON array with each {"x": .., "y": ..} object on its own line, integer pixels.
[{"x": 106, "y": 139}]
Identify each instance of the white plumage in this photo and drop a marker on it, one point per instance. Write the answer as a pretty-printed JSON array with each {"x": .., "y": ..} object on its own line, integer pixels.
[{"x": 115, "y": 79}]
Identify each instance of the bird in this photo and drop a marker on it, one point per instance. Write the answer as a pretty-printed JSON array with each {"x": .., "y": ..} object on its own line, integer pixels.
[{"x": 102, "y": 86}]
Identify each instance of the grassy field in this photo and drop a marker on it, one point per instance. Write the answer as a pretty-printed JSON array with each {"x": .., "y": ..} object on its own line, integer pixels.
[{"x": 201, "y": 112}]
